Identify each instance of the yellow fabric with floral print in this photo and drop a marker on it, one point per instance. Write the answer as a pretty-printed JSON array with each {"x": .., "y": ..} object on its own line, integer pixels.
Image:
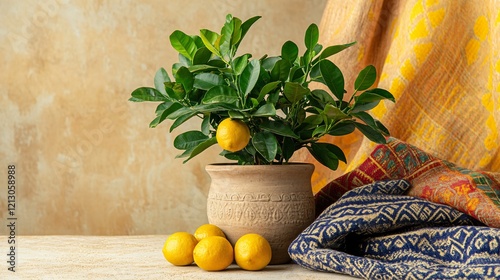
[{"x": 440, "y": 59}]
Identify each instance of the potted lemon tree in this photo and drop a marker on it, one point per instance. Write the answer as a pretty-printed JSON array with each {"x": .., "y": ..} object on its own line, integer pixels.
[{"x": 260, "y": 111}]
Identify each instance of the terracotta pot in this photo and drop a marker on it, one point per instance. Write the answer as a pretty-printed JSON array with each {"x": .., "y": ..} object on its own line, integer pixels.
[{"x": 275, "y": 201}]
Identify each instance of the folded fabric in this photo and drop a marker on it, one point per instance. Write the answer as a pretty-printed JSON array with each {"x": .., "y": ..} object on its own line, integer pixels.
[
  {"x": 476, "y": 193},
  {"x": 376, "y": 232}
]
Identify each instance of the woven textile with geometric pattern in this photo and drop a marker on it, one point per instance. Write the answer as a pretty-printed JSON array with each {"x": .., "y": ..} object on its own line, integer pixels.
[
  {"x": 376, "y": 232},
  {"x": 476, "y": 193}
]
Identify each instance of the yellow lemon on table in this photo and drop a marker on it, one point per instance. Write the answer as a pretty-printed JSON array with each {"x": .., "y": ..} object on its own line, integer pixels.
[
  {"x": 178, "y": 248},
  {"x": 252, "y": 252},
  {"x": 232, "y": 135},
  {"x": 213, "y": 253},
  {"x": 207, "y": 230}
]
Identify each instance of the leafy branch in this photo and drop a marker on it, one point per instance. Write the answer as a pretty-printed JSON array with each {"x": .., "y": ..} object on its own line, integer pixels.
[{"x": 272, "y": 95}]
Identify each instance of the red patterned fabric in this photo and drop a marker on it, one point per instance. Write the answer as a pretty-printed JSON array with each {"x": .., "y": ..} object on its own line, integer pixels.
[{"x": 476, "y": 193}]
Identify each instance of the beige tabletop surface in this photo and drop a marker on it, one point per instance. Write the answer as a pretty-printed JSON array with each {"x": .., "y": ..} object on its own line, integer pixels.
[{"x": 121, "y": 257}]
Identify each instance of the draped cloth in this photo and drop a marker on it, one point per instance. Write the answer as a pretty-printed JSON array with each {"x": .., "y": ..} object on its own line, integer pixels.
[
  {"x": 373, "y": 232},
  {"x": 405, "y": 214},
  {"x": 441, "y": 61}
]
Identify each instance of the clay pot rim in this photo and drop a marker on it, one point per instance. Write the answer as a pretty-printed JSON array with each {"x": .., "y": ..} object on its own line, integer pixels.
[{"x": 233, "y": 166}]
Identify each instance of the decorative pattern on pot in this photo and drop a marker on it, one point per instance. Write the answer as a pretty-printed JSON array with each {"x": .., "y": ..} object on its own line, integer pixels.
[{"x": 248, "y": 209}]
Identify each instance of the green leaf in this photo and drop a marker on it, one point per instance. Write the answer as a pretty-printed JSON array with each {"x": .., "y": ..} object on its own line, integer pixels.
[
  {"x": 297, "y": 74},
  {"x": 186, "y": 153},
  {"x": 333, "y": 78},
  {"x": 182, "y": 119},
  {"x": 317, "y": 49},
  {"x": 202, "y": 56},
  {"x": 281, "y": 70},
  {"x": 254, "y": 102},
  {"x": 163, "y": 113},
  {"x": 294, "y": 91},
  {"x": 238, "y": 115},
  {"x": 215, "y": 63},
  {"x": 197, "y": 41},
  {"x": 311, "y": 122},
  {"x": 306, "y": 59},
  {"x": 267, "y": 89},
  {"x": 221, "y": 94},
  {"x": 319, "y": 131},
  {"x": 322, "y": 96},
  {"x": 371, "y": 133},
  {"x": 183, "y": 43},
  {"x": 209, "y": 39},
  {"x": 331, "y": 50},
  {"x": 147, "y": 94},
  {"x": 243, "y": 157},
  {"x": 161, "y": 77},
  {"x": 176, "y": 66},
  {"x": 381, "y": 127},
  {"x": 322, "y": 154},
  {"x": 331, "y": 149},
  {"x": 366, "y": 118},
  {"x": 245, "y": 26},
  {"x": 312, "y": 36},
  {"x": 184, "y": 61},
  {"x": 180, "y": 112},
  {"x": 175, "y": 91},
  {"x": 205, "y": 125},
  {"x": 201, "y": 147},
  {"x": 203, "y": 67},
  {"x": 267, "y": 110},
  {"x": 342, "y": 128},
  {"x": 366, "y": 78},
  {"x": 156, "y": 121},
  {"x": 207, "y": 81},
  {"x": 288, "y": 148},
  {"x": 185, "y": 77},
  {"x": 363, "y": 106},
  {"x": 266, "y": 145},
  {"x": 315, "y": 74},
  {"x": 195, "y": 96},
  {"x": 375, "y": 94},
  {"x": 249, "y": 77},
  {"x": 274, "y": 96},
  {"x": 210, "y": 108},
  {"x": 162, "y": 106},
  {"x": 236, "y": 34},
  {"x": 225, "y": 41},
  {"x": 269, "y": 62},
  {"x": 240, "y": 63},
  {"x": 278, "y": 128},
  {"x": 290, "y": 51},
  {"x": 189, "y": 139},
  {"x": 334, "y": 114}
]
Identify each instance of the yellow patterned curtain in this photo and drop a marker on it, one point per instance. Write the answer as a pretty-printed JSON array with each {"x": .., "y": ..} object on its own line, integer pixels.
[{"x": 440, "y": 59}]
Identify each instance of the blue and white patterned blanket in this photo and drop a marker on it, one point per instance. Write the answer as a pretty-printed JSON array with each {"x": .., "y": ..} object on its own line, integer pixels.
[{"x": 376, "y": 232}]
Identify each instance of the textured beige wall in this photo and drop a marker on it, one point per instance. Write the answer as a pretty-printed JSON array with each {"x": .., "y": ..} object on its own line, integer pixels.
[{"x": 86, "y": 161}]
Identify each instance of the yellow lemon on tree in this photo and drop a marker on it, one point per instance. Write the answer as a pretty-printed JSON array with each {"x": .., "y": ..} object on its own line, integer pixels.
[
  {"x": 207, "y": 230},
  {"x": 232, "y": 135},
  {"x": 252, "y": 252},
  {"x": 178, "y": 248},
  {"x": 213, "y": 253}
]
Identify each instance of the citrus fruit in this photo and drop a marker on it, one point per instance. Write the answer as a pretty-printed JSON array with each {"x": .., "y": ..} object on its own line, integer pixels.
[
  {"x": 232, "y": 135},
  {"x": 213, "y": 253},
  {"x": 178, "y": 248},
  {"x": 252, "y": 252},
  {"x": 207, "y": 230}
]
